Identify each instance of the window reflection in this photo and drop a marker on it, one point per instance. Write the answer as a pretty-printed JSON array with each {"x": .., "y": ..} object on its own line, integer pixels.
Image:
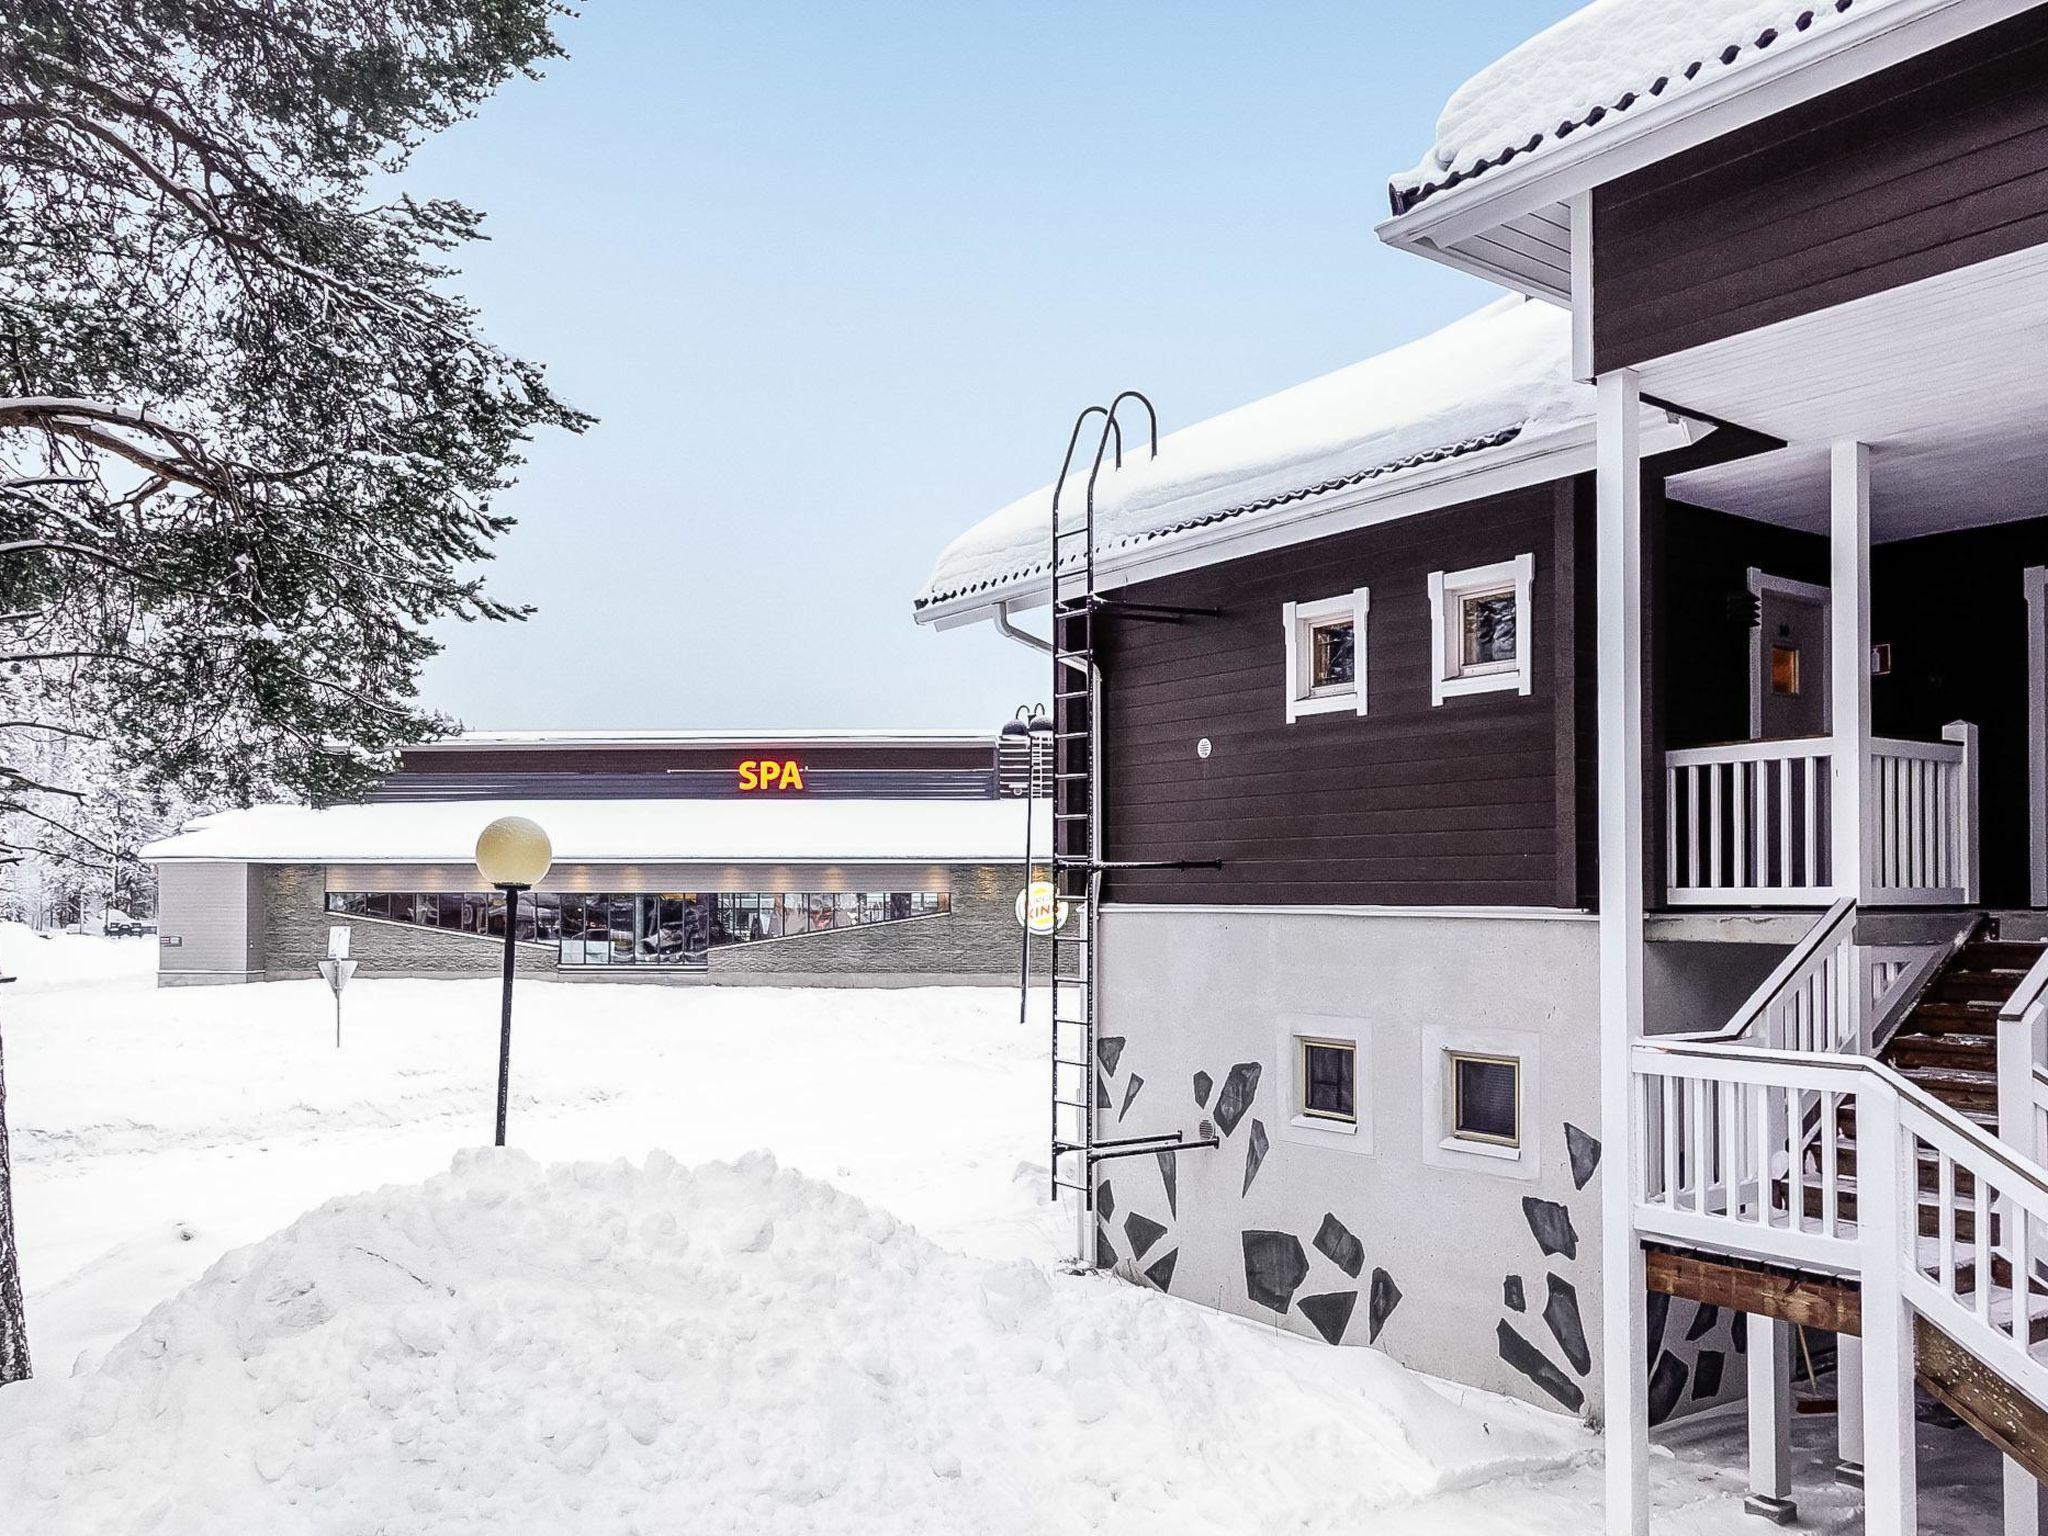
[{"x": 675, "y": 929}]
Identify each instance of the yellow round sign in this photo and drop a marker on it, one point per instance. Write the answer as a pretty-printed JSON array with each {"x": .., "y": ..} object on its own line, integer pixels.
[{"x": 1039, "y": 908}]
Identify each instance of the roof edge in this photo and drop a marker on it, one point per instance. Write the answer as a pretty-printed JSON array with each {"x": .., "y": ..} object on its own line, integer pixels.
[
  {"x": 1861, "y": 46},
  {"x": 1453, "y": 482}
]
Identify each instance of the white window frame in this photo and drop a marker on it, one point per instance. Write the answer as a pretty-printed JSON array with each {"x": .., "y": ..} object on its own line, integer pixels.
[
  {"x": 1298, "y": 620},
  {"x": 1442, "y": 1146},
  {"x": 1483, "y": 1058},
  {"x": 1449, "y": 678},
  {"x": 1290, "y": 1032}
]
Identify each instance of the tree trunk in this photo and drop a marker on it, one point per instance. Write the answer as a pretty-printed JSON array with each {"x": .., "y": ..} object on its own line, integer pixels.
[{"x": 13, "y": 1320}]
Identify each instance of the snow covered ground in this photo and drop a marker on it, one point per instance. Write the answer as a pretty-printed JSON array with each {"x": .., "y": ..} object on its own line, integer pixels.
[{"x": 862, "y": 1332}]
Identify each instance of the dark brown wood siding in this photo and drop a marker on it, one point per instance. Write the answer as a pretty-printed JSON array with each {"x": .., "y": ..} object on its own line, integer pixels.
[
  {"x": 1474, "y": 802},
  {"x": 1924, "y": 168}
]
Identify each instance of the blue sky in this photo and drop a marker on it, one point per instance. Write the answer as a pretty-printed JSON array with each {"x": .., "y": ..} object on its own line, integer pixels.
[{"x": 835, "y": 278}]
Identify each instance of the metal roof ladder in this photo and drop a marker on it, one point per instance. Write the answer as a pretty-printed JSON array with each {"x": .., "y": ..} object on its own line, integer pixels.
[{"x": 1079, "y": 1094}]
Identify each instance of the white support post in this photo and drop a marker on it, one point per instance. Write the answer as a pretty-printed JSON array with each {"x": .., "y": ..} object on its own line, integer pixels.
[
  {"x": 1964, "y": 734},
  {"x": 1849, "y": 663},
  {"x": 1582, "y": 287},
  {"x": 1624, "y": 1328},
  {"x": 1849, "y": 1410},
  {"x": 2035, "y": 581},
  {"x": 2026, "y": 1511},
  {"x": 1886, "y": 1184},
  {"x": 1770, "y": 1420}
]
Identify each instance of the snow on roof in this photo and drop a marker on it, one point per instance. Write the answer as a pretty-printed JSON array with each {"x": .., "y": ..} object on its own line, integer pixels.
[
  {"x": 1499, "y": 376},
  {"x": 770, "y": 829},
  {"x": 1612, "y": 57},
  {"x": 806, "y": 736}
]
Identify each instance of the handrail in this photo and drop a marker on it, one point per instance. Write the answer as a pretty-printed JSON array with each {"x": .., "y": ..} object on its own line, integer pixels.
[
  {"x": 2028, "y": 992},
  {"x": 1750, "y": 751},
  {"x": 1767, "y": 991},
  {"x": 1907, "y": 1093}
]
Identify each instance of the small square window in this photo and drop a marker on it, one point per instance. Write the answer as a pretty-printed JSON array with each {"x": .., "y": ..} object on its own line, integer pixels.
[
  {"x": 1486, "y": 1099},
  {"x": 1785, "y": 670},
  {"x": 1486, "y": 622},
  {"x": 1333, "y": 658},
  {"x": 1329, "y": 1080},
  {"x": 1326, "y": 655},
  {"x": 1480, "y": 632}
]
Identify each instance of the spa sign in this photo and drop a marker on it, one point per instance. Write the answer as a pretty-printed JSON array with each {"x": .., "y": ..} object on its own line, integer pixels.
[{"x": 771, "y": 775}]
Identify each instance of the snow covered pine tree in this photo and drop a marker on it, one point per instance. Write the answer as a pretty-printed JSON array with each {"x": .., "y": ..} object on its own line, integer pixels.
[{"x": 249, "y": 439}]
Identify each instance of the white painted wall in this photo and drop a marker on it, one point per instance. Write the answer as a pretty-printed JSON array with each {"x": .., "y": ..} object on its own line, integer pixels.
[
  {"x": 1204, "y": 990},
  {"x": 204, "y": 932}
]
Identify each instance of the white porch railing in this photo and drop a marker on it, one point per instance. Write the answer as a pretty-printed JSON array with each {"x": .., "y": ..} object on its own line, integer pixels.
[
  {"x": 1743, "y": 1154},
  {"x": 1920, "y": 827},
  {"x": 1779, "y": 1138},
  {"x": 1751, "y": 823},
  {"x": 1747, "y": 824}
]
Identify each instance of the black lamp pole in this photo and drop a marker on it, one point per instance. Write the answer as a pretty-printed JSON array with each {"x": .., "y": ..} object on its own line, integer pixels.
[
  {"x": 505, "y": 1028},
  {"x": 1028, "y": 723}
]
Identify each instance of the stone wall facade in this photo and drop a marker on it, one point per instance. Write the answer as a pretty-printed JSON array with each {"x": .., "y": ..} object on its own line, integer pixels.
[{"x": 976, "y": 942}]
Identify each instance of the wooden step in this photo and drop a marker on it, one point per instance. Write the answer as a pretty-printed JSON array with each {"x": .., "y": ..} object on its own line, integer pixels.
[
  {"x": 1961, "y": 1088},
  {"x": 1960, "y": 1049},
  {"x": 1975, "y": 1016},
  {"x": 1998, "y": 954},
  {"x": 1990, "y": 985},
  {"x": 1930, "y": 1211}
]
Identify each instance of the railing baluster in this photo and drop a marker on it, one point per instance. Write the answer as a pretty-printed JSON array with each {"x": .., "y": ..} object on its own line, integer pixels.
[
  {"x": 1731, "y": 1131},
  {"x": 1762, "y": 1142},
  {"x": 1980, "y": 1206},
  {"x": 1671, "y": 826},
  {"x": 1714, "y": 825},
  {"x": 1812, "y": 871},
  {"x": 1696, "y": 1141},
  {"x": 1738, "y": 825},
  {"x": 1671, "y": 1142},
  {"x": 1830, "y": 1156},
  {"x": 1785, "y": 823},
  {"x": 1692, "y": 837},
  {"x": 1945, "y": 1219},
  {"x": 1795, "y": 1160},
  {"x": 2019, "y": 1242}
]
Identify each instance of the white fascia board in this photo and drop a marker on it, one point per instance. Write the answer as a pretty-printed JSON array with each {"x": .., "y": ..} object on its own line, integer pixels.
[
  {"x": 1861, "y": 46},
  {"x": 1556, "y": 457}
]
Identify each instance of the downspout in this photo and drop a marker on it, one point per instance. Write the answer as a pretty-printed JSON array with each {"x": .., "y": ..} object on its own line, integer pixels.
[{"x": 1023, "y": 637}]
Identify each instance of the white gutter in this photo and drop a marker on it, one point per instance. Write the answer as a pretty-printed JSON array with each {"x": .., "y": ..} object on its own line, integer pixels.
[{"x": 1861, "y": 46}]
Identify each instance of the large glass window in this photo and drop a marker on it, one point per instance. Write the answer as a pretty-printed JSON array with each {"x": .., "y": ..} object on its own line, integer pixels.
[{"x": 673, "y": 929}]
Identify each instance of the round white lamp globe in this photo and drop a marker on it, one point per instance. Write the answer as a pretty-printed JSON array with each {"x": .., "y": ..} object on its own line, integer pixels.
[{"x": 513, "y": 851}]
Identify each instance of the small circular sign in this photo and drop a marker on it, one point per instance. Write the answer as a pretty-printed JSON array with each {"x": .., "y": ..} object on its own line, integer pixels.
[
  {"x": 1039, "y": 908},
  {"x": 1202, "y": 748}
]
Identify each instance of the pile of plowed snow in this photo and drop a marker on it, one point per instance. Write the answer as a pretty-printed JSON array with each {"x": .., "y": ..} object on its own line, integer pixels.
[{"x": 736, "y": 1348}]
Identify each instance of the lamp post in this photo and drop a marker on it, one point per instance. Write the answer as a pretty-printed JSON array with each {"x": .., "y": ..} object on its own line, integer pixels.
[
  {"x": 1027, "y": 724},
  {"x": 512, "y": 854}
]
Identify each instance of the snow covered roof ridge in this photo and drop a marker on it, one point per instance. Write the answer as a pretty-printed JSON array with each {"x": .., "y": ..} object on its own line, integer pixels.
[
  {"x": 1498, "y": 377},
  {"x": 1600, "y": 62}
]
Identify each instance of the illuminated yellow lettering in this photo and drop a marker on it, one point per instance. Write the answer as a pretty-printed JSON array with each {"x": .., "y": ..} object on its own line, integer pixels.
[{"x": 750, "y": 774}]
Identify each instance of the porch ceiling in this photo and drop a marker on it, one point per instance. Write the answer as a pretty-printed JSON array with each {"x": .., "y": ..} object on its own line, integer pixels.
[{"x": 1946, "y": 379}]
